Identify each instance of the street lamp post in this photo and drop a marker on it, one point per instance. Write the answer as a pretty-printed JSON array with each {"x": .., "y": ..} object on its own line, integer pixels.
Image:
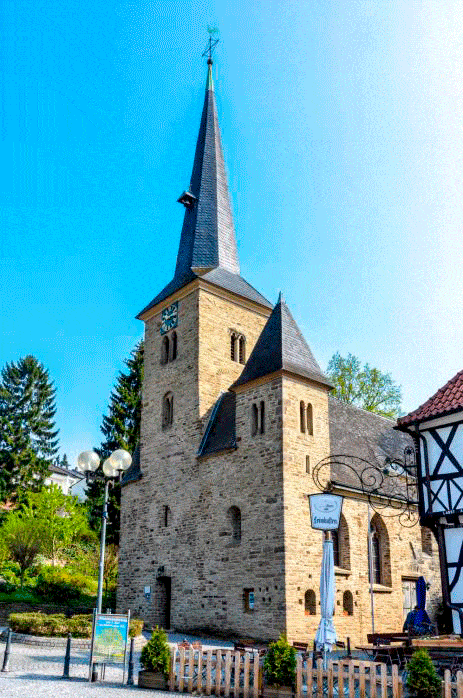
[{"x": 113, "y": 467}]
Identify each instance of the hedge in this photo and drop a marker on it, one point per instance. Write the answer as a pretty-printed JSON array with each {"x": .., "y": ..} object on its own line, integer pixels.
[{"x": 57, "y": 625}]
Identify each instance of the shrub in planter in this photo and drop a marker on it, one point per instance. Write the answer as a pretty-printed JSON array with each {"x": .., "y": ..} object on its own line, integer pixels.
[
  {"x": 53, "y": 625},
  {"x": 279, "y": 668},
  {"x": 422, "y": 678},
  {"x": 155, "y": 660}
]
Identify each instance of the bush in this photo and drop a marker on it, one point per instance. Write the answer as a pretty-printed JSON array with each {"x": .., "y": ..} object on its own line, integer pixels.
[
  {"x": 53, "y": 625},
  {"x": 280, "y": 663},
  {"x": 136, "y": 627},
  {"x": 80, "y": 625},
  {"x": 56, "y": 584},
  {"x": 422, "y": 678},
  {"x": 155, "y": 655}
]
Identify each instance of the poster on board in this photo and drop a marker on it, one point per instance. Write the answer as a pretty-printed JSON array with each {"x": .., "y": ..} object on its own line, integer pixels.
[{"x": 109, "y": 639}]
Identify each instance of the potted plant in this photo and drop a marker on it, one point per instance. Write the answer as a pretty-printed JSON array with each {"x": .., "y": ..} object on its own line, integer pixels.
[
  {"x": 279, "y": 669},
  {"x": 422, "y": 678},
  {"x": 155, "y": 660}
]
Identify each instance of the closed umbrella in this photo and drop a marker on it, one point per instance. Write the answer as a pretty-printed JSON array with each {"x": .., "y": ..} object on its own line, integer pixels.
[
  {"x": 422, "y": 623},
  {"x": 326, "y": 634}
]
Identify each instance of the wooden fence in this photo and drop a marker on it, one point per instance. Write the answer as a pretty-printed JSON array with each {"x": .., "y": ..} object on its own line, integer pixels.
[
  {"x": 217, "y": 672},
  {"x": 238, "y": 674}
]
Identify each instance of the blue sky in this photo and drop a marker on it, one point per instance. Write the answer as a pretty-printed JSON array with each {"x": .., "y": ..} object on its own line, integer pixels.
[{"x": 342, "y": 130}]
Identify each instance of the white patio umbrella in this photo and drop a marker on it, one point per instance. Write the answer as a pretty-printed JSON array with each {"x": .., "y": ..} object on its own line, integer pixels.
[{"x": 326, "y": 634}]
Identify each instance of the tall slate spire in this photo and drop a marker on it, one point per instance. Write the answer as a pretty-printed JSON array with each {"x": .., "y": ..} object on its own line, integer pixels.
[
  {"x": 208, "y": 234},
  {"x": 207, "y": 244}
]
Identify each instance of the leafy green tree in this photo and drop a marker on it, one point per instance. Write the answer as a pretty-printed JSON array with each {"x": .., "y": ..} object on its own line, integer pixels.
[
  {"x": 28, "y": 438},
  {"x": 60, "y": 519},
  {"x": 121, "y": 429},
  {"x": 365, "y": 387},
  {"x": 21, "y": 540}
]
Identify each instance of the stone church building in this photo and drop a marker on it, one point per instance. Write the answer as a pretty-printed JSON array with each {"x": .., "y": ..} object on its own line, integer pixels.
[{"x": 215, "y": 521}]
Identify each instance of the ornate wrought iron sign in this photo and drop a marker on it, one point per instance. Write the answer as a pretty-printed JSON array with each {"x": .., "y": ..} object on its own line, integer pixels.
[{"x": 391, "y": 488}]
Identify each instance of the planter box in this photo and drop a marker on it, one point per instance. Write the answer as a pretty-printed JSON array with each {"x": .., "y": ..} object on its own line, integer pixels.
[
  {"x": 280, "y": 692},
  {"x": 152, "y": 679}
]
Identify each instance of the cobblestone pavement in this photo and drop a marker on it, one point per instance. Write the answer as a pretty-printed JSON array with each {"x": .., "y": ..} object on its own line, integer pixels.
[{"x": 36, "y": 672}]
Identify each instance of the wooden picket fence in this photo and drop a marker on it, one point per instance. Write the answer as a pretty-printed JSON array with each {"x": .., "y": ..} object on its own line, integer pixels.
[
  {"x": 217, "y": 672},
  {"x": 239, "y": 674}
]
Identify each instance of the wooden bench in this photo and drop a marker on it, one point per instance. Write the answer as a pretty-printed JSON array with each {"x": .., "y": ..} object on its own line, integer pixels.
[{"x": 386, "y": 638}]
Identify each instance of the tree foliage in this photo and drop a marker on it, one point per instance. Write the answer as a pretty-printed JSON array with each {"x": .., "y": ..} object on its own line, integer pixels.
[
  {"x": 21, "y": 540},
  {"x": 155, "y": 655},
  {"x": 28, "y": 438},
  {"x": 59, "y": 518},
  {"x": 422, "y": 678},
  {"x": 121, "y": 429},
  {"x": 365, "y": 387},
  {"x": 280, "y": 663}
]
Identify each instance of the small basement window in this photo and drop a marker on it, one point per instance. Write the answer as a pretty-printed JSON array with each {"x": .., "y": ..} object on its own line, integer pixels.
[{"x": 248, "y": 595}]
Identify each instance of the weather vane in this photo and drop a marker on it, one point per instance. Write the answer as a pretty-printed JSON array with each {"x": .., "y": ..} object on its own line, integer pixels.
[{"x": 212, "y": 43}]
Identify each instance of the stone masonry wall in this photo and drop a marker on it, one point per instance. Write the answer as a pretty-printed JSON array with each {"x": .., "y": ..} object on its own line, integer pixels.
[{"x": 190, "y": 550}]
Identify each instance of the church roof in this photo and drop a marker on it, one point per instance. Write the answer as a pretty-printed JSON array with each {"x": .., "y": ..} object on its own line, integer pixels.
[
  {"x": 134, "y": 472},
  {"x": 207, "y": 243},
  {"x": 448, "y": 399},
  {"x": 220, "y": 432},
  {"x": 361, "y": 434},
  {"x": 281, "y": 345}
]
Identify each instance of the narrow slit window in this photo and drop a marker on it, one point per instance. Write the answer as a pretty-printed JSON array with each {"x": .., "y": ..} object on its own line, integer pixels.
[
  {"x": 242, "y": 350},
  {"x": 254, "y": 419},
  {"x": 233, "y": 347},
  {"x": 310, "y": 419},
  {"x": 307, "y": 465},
  {"x": 302, "y": 416},
  {"x": 174, "y": 346},
  {"x": 262, "y": 417},
  {"x": 165, "y": 350}
]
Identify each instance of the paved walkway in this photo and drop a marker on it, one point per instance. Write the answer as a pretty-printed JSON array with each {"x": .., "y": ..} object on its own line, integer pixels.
[{"x": 36, "y": 672}]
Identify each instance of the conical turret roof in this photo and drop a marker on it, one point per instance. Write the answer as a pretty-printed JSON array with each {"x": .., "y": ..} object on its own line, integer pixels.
[{"x": 281, "y": 345}]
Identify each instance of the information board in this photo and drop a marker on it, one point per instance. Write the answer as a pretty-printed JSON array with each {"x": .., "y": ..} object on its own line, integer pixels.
[{"x": 109, "y": 639}]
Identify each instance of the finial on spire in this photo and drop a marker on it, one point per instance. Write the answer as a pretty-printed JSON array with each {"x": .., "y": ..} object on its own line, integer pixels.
[
  {"x": 211, "y": 44},
  {"x": 280, "y": 298}
]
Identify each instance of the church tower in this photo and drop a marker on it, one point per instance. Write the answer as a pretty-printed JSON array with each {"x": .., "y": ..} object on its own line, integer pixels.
[{"x": 199, "y": 331}]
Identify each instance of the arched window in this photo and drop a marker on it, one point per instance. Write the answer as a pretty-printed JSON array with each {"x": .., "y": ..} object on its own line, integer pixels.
[
  {"x": 233, "y": 339},
  {"x": 165, "y": 349},
  {"x": 374, "y": 556},
  {"x": 234, "y": 517},
  {"x": 173, "y": 355},
  {"x": 380, "y": 549},
  {"x": 336, "y": 556},
  {"x": 310, "y": 603},
  {"x": 167, "y": 410},
  {"x": 309, "y": 419},
  {"x": 343, "y": 543},
  {"x": 348, "y": 603},
  {"x": 302, "y": 417},
  {"x": 254, "y": 419},
  {"x": 242, "y": 350},
  {"x": 426, "y": 540}
]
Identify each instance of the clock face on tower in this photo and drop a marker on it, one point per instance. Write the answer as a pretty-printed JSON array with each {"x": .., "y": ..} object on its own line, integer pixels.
[{"x": 169, "y": 318}]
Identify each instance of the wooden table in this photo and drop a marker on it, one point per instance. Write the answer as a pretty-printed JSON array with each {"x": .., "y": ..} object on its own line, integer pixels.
[{"x": 393, "y": 653}]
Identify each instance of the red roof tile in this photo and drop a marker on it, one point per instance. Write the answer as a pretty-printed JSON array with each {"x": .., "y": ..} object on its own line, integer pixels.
[{"x": 448, "y": 399}]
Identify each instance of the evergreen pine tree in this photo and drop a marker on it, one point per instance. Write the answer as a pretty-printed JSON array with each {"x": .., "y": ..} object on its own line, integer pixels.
[
  {"x": 121, "y": 429},
  {"x": 28, "y": 438},
  {"x": 422, "y": 678}
]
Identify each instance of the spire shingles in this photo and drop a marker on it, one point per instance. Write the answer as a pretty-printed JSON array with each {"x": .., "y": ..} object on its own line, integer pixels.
[
  {"x": 208, "y": 234},
  {"x": 208, "y": 244}
]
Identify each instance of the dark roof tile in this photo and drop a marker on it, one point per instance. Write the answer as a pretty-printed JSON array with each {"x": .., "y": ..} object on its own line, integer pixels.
[
  {"x": 281, "y": 345},
  {"x": 220, "y": 432}
]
